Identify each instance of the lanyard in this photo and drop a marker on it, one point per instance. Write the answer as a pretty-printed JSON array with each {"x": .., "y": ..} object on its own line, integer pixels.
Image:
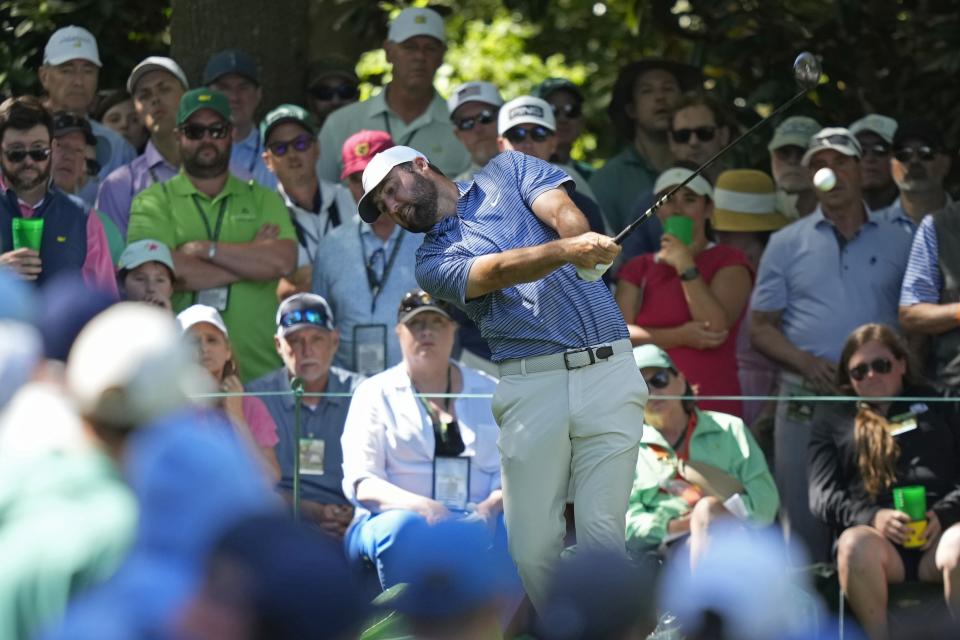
[
  {"x": 256, "y": 154},
  {"x": 214, "y": 234},
  {"x": 684, "y": 453},
  {"x": 447, "y": 439},
  {"x": 407, "y": 139},
  {"x": 304, "y": 237},
  {"x": 375, "y": 283}
]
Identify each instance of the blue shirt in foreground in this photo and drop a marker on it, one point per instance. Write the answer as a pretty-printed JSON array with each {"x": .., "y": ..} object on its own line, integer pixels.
[
  {"x": 923, "y": 281},
  {"x": 825, "y": 286},
  {"x": 494, "y": 214}
]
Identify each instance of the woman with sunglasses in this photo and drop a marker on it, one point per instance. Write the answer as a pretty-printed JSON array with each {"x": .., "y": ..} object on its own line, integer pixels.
[
  {"x": 859, "y": 453},
  {"x": 250, "y": 417},
  {"x": 689, "y": 297},
  {"x": 694, "y": 466}
]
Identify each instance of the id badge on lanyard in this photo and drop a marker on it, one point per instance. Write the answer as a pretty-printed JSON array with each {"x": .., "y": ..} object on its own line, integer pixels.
[
  {"x": 219, "y": 297},
  {"x": 311, "y": 456},
  {"x": 451, "y": 482},
  {"x": 369, "y": 348}
]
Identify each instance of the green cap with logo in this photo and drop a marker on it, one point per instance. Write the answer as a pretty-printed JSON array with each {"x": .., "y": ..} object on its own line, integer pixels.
[
  {"x": 203, "y": 98},
  {"x": 287, "y": 113}
]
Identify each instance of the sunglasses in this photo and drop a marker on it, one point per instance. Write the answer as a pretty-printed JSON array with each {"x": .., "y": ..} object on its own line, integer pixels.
[
  {"x": 484, "y": 117},
  {"x": 301, "y": 143},
  {"x": 416, "y": 299},
  {"x": 66, "y": 120},
  {"x": 880, "y": 366},
  {"x": 879, "y": 149},
  {"x": 19, "y": 155},
  {"x": 659, "y": 380},
  {"x": 571, "y": 111},
  {"x": 519, "y": 134},
  {"x": 217, "y": 131},
  {"x": 906, "y": 154},
  {"x": 704, "y": 134},
  {"x": 343, "y": 91},
  {"x": 317, "y": 317}
]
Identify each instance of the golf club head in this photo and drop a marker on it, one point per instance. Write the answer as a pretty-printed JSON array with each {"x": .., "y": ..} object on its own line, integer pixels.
[{"x": 806, "y": 70}]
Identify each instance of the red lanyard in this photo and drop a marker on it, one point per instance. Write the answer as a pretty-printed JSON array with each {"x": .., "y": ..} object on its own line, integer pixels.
[{"x": 684, "y": 452}]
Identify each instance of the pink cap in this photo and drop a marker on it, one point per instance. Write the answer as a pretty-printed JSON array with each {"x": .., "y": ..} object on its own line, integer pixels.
[{"x": 360, "y": 148}]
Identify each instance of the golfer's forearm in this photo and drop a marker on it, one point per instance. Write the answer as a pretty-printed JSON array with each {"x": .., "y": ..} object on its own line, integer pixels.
[
  {"x": 931, "y": 319},
  {"x": 497, "y": 271}
]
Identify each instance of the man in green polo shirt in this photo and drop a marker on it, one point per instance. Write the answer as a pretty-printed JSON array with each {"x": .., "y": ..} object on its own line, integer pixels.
[
  {"x": 233, "y": 240},
  {"x": 408, "y": 108}
]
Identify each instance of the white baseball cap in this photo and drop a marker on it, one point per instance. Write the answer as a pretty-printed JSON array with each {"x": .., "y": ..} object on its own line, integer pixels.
[
  {"x": 156, "y": 63},
  {"x": 883, "y": 126},
  {"x": 143, "y": 251},
  {"x": 525, "y": 110},
  {"x": 676, "y": 175},
  {"x": 837, "y": 138},
  {"x": 71, "y": 43},
  {"x": 476, "y": 91},
  {"x": 201, "y": 313},
  {"x": 416, "y": 22},
  {"x": 378, "y": 169},
  {"x": 129, "y": 365}
]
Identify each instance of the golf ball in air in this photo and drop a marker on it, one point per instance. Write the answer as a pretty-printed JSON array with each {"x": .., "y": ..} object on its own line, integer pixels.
[{"x": 825, "y": 179}]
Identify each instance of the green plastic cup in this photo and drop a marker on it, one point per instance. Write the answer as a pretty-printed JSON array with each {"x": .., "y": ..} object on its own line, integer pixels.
[
  {"x": 912, "y": 501},
  {"x": 681, "y": 227},
  {"x": 27, "y": 232}
]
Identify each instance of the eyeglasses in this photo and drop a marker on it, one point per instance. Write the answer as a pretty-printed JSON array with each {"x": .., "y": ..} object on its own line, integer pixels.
[
  {"x": 217, "y": 131},
  {"x": 343, "y": 91},
  {"x": 301, "y": 143},
  {"x": 704, "y": 134},
  {"x": 880, "y": 366},
  {"x": 19, "y": 155},
  {"x": 484, "y": 117},
  {"x": 570, "y": 110},
  {"x": 906, "y": 154},
  {"x": 519, "y": 134},
  {"x": 880, "y": 149},
  {"x": 659, "y": 380},
  {"x": 317, "y": 316}
]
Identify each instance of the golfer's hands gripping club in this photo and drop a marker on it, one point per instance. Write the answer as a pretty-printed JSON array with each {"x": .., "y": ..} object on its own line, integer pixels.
[{"x": 591, "y": 254}]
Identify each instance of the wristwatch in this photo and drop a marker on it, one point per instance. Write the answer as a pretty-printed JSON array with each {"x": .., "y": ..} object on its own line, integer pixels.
[
  {"x": 690, "y": 274},
  {"x": 212, "y": 251}
]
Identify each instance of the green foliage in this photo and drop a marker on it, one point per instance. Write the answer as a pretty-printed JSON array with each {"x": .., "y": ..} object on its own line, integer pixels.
[{"x": 126, "y": 32}]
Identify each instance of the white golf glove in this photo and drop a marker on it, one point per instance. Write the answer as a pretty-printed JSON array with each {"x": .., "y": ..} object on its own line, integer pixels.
[{"x": 589, "y": 275}]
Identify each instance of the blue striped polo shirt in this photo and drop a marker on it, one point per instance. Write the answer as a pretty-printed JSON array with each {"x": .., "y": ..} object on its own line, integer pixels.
[
  {"x": 923, "y": 281},
  {"x": 550, "y": 315}
]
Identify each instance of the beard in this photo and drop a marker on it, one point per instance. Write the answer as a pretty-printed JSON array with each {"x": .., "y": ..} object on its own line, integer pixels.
[
  {"x": 216, "y": 166},
  {"x": 421, "y": 214},
  {"x": 20, "y": 183}
]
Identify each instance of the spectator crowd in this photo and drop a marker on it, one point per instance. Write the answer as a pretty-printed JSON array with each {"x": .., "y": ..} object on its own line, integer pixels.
[{"x": 200, "y": 339}]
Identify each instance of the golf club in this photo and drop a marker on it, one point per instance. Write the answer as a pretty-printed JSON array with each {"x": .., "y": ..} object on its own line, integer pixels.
[{"x": 806, "y": 71}]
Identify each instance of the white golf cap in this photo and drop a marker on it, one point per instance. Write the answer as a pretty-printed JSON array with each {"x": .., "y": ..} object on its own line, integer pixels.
[
  {"x": 378, "y": 169},
  {"x": 156, "y": 63},
  {"x": 525, "y": 110},
  {"x": 130, "y": 365},
  {"x": 143, "y": 251},
  {"x": 71, "y": 43},
  {"x": 837, "y": 138},
  {"x": 883, "y": 126},
  {"x": 676, "y": 175},
  {"x": 416, "y": 22},
  {"x": 201, "y": 313},
  {"x": 476, "y": 91}
]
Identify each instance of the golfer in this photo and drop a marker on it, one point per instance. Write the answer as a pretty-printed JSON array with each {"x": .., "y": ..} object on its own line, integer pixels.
[{"x": 507, "y": 248}]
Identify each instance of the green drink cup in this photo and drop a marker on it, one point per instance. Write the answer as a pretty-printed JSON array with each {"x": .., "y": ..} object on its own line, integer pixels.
[
  {"x": 27, "y": 233},
  {"x": 681, "y": 227},
  {"x": 913, "y": 502}
]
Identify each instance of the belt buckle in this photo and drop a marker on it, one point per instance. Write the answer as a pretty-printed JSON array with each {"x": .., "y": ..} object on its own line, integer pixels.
[{"x": 573, "y": 352}]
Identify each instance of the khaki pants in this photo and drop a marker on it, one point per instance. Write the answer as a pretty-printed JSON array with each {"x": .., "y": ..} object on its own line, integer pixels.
[{"x": 586, "y": 422}]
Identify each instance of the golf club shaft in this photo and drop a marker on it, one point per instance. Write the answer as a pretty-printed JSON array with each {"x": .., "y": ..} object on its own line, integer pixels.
[{"x": 662, "y": 200}]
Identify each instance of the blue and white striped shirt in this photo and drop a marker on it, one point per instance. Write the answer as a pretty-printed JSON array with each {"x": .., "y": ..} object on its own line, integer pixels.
[
  {"x": 922, "y": 281},
  {"x": 550, "y": 315}
]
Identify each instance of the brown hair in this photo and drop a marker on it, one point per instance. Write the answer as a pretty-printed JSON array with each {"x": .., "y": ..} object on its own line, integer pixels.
[
  {"x": 698, "y": 99},
  {"x": 24, "y": 112},
  {"x": 877, "y": 452}
]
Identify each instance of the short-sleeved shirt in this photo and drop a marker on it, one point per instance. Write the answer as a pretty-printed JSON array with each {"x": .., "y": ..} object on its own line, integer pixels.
[
  {"x": 168, "y": 212},
  {"x": 246, "y": 161},
  {"x": 827, "y": 286},
  {"x": 713, "y": 372},
  {"x": 922, "y": 280},
  {"x": 550, "y": 315},
  {"x": 619, "y": 183},
  {"x": 430, "y": 133},
  {"x": 119, "y": 188},
  {"x": 322, "y": 422},
  {"x": 340, "y": 276},
  {"x": 388, "y": 434}
]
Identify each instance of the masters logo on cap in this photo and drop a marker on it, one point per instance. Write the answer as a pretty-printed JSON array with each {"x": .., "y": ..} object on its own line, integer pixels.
[
  {"x": 198, "y": 99},
  {"x": 410, "y": 23}
]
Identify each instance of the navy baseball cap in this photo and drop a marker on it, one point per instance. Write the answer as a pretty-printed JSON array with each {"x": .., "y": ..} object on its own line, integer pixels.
[{"x": 231, "y": 61}]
